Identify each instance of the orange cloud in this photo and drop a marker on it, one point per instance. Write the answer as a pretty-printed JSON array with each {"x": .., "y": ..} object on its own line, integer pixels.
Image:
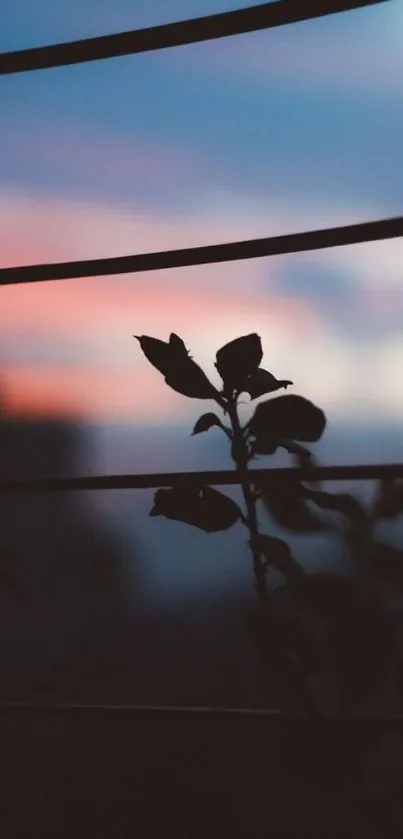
[
  {"x": 86, "y": 393},
  {"x": 97, "y": 317},
  {"x": 90, "y": 367}
]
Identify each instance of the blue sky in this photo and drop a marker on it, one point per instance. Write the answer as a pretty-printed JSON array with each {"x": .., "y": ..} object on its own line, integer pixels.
[{"x": 271, "y": 132}]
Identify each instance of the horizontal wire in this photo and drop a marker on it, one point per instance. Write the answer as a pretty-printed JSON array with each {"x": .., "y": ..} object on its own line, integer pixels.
[
  {"x": 330, "y": 237},
  {"x": 198, "y": 714},
  {"x": 224, "y": 24},
  {"x": 365, "y": 472}
]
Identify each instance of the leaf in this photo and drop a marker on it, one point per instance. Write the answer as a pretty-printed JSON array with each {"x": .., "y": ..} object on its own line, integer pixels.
[
  {"x": 157, "y": 352},
  {"x": 205, "y": 422},
  {"x": 286, "y": 505},
  {"x": 302, "y": 454},
  {"x": 181, "y": 373},
  {"x": 341, "y": 502},
  {"x": 190, "y": 380},
  {"x": 177, "y": 344},
  {"x": 303, "y": 458},
  {"x": 389, "y": 503},
  {"x": 205, "y": 508},
  {"x": 238, "y": 360},
  {"x": 265, "y": 444},
  {"x": 291, "y": 417},
  {"x": 261, "y": 382},
  {"x": 278, "y": 555}
]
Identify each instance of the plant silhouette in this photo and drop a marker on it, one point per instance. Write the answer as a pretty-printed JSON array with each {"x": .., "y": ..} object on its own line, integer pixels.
[{"x": 325, "y": 635}]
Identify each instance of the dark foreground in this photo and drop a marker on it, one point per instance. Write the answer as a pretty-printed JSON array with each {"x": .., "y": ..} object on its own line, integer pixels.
[{"x": 117, "y": 773}]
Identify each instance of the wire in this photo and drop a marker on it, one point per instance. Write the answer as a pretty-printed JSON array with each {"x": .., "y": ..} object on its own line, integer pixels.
[
  {"x": 251, "y": 19},
  {"x": 155, "y": 480},
  {"x": 330, "y": 237},
  {"x": 196, "y": 714}
]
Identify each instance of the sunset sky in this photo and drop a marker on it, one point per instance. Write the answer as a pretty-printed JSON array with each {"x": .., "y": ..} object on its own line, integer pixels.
[{"x": 272, "y": 132}]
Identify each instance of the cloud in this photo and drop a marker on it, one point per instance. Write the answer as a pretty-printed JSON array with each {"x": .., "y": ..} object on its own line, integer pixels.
[
  {"x": 79, "y": 332},
  {"x": 85, "y": 392}
]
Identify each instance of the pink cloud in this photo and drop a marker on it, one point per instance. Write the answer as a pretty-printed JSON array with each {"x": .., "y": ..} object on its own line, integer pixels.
[
  {"x": 206, "y": 305},
  {"x": 95, "y": 318},
  {"x": 86, "y": 393}
]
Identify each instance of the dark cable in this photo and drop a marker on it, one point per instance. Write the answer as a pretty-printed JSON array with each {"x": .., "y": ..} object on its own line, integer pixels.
[
  {"x": 331, "y": 237},
  {"x": 366, "y": 472},
  {"x": 251, "y": 19}
]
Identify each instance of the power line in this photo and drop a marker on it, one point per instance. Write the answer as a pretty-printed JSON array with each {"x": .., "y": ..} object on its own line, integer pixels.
[
  {"x": 330, "y": 237},
  {"x": 155, "y": 480},
  {"x": 251, "y": 19},
  {"x": 202, "y": 714}
]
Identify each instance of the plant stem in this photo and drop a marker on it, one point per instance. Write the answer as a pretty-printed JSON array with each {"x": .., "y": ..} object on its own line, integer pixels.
[
  {"x": 241, "y": 459},
  {"x": 240, "y": 455}
]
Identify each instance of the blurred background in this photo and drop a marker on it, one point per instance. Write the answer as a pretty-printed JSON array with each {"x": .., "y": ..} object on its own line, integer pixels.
[{"x": 257, "y": 135}]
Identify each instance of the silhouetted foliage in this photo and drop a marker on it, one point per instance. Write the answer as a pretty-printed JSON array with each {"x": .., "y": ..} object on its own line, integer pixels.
[
  {"x": 314, "y": 625},
  {"x": 205, "y": 422},
  {"x": 339, "y": 502},
  {"x": 277, "y": 554},
  {"x": 237, "y": 361},
  {"x": 276, "y": 422},
  {"x": 287, "y": 506},
  {"x": 262, "y": 382},
  {"x": 173, "y": 361},
  {"x": 205, "y": 508},
  {"x": 290, "y": 417}
]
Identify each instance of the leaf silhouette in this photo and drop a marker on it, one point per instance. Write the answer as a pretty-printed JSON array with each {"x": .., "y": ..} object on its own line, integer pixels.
[
  {"x": 205, "y": 422},
  {"x": 291, "y": 417},
  {"x": 303, "y": 458},
  {"x": 285, "y": 503},
  {"x": 181, "y": 373},
  {"x": 389, "y": 502},
  {"x": 157, "y": 352},
  {"x": 340, "y": 502},
  {"x": 261, "y": 382},
  {"x": 192, "y": 382},
  {"x": 278, "y": 555},
  {"x": 238, "y": 360},
  {"x": 265, "y": 444},
  {"x": 205, "y": 508},
  {"x": 177, "y": 344}
]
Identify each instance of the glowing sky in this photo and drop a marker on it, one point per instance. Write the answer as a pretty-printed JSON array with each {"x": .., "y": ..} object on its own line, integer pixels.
[{"x": 274, "y": 132}]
